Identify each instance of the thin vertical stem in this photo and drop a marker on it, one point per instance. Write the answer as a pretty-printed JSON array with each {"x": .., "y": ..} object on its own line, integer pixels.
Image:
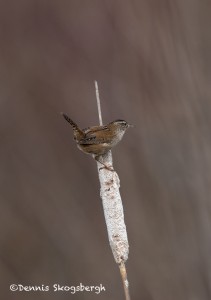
[
  {"x": 123, "y": 273},
  {"x": 98, "y": 103}
]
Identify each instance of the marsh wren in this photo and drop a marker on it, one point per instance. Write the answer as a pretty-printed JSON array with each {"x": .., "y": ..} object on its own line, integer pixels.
[{"x": 98, "y": 140}]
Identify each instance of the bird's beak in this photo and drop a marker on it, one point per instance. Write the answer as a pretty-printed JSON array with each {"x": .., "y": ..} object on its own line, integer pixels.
[{"x": 130, "y": 125}]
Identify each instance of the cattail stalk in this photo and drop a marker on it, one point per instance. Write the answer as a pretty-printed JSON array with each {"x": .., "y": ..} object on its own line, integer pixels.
[{"x": 113, "y": 209}]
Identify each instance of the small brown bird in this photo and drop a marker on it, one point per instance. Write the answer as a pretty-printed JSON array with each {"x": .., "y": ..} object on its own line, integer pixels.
[{"x": 98, "y": 140}]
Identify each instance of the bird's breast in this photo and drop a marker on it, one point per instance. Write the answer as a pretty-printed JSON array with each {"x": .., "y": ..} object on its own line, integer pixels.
[{"x": 117, "y": 138}]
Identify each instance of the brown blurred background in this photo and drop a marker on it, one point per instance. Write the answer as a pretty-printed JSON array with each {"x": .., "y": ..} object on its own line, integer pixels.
[{"x": 153, "y": 65}]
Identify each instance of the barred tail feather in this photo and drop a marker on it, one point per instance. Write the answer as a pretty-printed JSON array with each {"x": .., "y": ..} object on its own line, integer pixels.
[{"x": 74, "y": 125}]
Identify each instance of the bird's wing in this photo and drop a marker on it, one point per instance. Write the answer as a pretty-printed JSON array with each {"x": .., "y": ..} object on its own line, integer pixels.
[{"x": 94, "y": 135}]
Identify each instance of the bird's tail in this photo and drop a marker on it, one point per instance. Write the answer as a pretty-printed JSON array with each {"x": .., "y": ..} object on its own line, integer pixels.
[
  {"x": 73, "y": 124},
  {"x": 77, "y": 131}
]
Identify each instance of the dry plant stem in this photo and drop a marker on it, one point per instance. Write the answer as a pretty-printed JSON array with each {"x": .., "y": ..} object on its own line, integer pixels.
[
  {"x": 98, "y": 103},
  {"x": 123, "y": 273},
  {"x": 113, "y": 210}
]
